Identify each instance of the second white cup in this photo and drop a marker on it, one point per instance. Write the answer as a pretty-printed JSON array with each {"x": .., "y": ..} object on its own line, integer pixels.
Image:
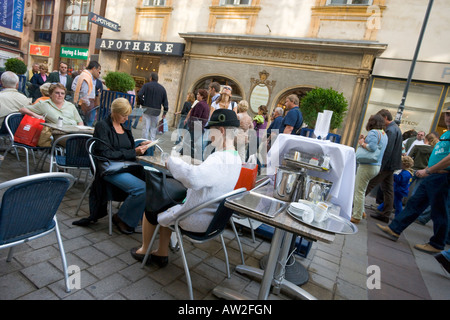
[{"x": 321, "y": 212}]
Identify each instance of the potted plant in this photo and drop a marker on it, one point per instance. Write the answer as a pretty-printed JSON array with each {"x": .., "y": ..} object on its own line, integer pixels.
[
  {"x": 119, "y": 84},
  {"x": 320, "y": 99},
  {"x": 119, "y": 81},
  {"x": 15, "y": 65}
]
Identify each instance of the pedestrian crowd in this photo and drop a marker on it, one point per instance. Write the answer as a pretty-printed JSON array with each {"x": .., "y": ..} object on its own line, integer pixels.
[{"x": 411, "y": 171}]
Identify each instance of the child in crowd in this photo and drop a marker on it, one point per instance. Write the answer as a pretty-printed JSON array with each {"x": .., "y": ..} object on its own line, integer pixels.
[{"x": 402, "y": 180}]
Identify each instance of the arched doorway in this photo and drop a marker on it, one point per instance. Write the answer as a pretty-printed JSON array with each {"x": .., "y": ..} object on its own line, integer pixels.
[
  {"x": 299, "y": 91},
  {"x": 237, "y": 94}
]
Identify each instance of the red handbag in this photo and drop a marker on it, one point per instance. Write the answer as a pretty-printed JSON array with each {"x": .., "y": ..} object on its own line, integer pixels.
[{"x": 29, "y": 131}]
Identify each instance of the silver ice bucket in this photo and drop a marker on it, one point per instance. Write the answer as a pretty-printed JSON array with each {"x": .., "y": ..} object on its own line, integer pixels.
[
  {"x": 316, "y": 189},
  {"x": 285, "y": 187}
]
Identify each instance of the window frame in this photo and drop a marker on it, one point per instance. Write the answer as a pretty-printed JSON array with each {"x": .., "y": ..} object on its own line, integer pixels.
[
  {"x": 41, "y": 16},
  {"x": 349, "y": 3},
  {"x": 159, "y": 3},
  {"x": 81, "y": 16},
  {"x": 235, "y": 3}
]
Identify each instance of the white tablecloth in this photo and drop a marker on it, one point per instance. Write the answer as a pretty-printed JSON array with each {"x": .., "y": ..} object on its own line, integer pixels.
[{"x": 343, "y": 165}]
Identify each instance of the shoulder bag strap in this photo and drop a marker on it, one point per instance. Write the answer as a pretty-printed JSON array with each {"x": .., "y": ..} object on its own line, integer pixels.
[{"x": 94, "y": 155}]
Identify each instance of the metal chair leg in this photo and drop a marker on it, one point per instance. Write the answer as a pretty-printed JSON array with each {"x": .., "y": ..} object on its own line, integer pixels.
[
  {"x": 227, "y": 262},
  {"x": 233, "y": 226},
  {"x": 82, "y": 198},
  {"x": 63, "y": 256},
  {"x": 110, "y": 216},
  {"x": 150, "y": 245},
  {"x": 185, "y": 265}
]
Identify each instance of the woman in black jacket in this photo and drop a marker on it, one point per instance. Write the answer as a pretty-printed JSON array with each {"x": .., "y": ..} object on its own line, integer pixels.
[{"x": 112, "y": 132}]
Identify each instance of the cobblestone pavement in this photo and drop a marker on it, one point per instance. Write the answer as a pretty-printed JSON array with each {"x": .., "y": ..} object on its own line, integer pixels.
[{"x": 336, "y": 271}]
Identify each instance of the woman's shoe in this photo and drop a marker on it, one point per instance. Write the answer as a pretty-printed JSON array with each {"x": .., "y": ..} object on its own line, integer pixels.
[
  {"x": 84, "y": 222},
  {"x": 122, "y": 226},
  {"x": 160, "y": 261},
  {"x": 135, "y": 255},
  {"x": 139, "y": 256},
  {"x": 354, "y": 220}
]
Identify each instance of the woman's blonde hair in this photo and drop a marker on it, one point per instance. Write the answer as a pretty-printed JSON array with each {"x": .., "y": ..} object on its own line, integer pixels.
[
  {"x": 242, "y": 106},
  {"x": 432, "y": 139},
  {"x": 45, "y": 89},
  {"x": 407, "y": 161},
  {"x": 121, "y": 106},
  {"x": 43, "y": 66}
]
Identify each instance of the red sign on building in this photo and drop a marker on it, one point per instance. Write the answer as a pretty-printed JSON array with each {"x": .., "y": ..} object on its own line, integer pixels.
[{"x": 39, "y": 50}]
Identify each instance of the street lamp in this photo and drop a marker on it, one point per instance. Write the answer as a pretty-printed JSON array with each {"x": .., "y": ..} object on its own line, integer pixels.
[{"x": 401, "y": 107}]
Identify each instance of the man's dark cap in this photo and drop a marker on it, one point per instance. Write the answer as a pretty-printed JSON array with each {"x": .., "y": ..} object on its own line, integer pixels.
[{"x": 223, "y": 118}]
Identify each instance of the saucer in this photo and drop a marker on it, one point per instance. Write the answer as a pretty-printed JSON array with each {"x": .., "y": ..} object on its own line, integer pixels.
[{"x": 299, "y": 208}]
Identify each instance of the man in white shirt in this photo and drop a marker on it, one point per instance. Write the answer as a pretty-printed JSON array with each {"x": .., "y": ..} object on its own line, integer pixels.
[
  {"x": 62, "y": 77},
  {"x": 84, "y": 94},
  {"x": 411, "y": 142},
  {"x": 11, "y": 100}
]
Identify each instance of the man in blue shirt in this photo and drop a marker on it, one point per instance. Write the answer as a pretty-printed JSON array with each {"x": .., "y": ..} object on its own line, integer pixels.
[
  {"x": 434, "y": 191},
  {"x": 293, "y": 120},
  {"x": 277, "y": 119}
]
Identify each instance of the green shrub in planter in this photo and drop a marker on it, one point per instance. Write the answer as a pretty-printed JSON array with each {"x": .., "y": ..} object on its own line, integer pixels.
[
  {"x": 15, "y": 65},
  {"x": 320, "y": 99},
  {"x": 119, "y": 81}
]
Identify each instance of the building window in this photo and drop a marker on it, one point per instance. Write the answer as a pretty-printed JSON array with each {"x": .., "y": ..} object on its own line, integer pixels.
[
  {"x": 44, "y": 15},
  {"x": 349, "y": 2},
  {"x": 421, "y": 103},
  {"x": 75, "y": 39},
  {"x": 235, "y": 2},
  {"x": 154, "y": 3},
  {"x": 43, "y": 36},
  {"x": 76, "y": 15}
]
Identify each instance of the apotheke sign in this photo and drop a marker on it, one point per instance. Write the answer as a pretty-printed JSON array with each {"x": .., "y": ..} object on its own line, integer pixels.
[
  {"x": 153, "y": 47},
  {"x": 102, "y": 21}
]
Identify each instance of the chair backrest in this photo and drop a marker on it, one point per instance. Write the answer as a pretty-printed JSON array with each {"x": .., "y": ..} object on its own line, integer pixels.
[
  {"x": 306, "y": 132},
  {"x": 12, "y": 123},
  {"x": 107, "y": 97},
  {"x": 22, "y": 83},
  {"x": 76, "y": 154},
  {"x": 29, "y": 204},
  {"x": 89, "y": 145},
  {"x": 333, "y": 137},
  {"x": 222, "y": 214}
]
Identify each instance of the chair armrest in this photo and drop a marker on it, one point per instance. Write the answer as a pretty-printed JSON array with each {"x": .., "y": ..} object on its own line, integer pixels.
[{"x": 208, "y": 203}]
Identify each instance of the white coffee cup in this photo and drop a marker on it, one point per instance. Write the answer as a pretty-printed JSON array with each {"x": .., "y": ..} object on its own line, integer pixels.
[
  {"x": 321, "y": 212},
  {"x": 308, "y": 216}
]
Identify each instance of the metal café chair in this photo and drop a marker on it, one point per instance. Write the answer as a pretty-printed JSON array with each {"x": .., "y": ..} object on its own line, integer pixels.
[
  {"x": 28, "y": 209},
  {"x": 92, "y": 164},
  {"x": 216, "y": 227},
  {"x": 73, "y": 156},
  {"x": 89, "y": 145},
  {"x": 12, "y": 123}
]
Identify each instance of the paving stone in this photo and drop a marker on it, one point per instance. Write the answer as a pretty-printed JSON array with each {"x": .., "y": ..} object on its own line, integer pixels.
[
  {"x": 107, "y": 267},
  {"x": 91, "y": 255},
  {"x": 15, "y": 285},
  {"x": 41, "y": 294},
  {"x": 108, "y": 286},
  {"x": 42, "y": 274}
]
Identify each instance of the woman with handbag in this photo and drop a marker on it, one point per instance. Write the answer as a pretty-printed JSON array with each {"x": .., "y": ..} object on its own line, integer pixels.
[
  {"x": 217, "y": 175},
  {"x": 115, "y": 143},
  {"x": 368, "y": 156}
]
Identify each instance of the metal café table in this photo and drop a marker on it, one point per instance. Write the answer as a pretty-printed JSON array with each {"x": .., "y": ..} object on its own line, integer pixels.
[
  {"x": 69, "y": 129},
  {"x": 285, "y": 227}
]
